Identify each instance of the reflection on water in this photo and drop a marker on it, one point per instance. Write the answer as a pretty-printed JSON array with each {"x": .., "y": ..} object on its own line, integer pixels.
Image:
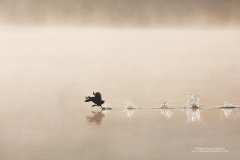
[
  {"x": 227, "y": 112},
  {"x": 95, "y": 118},
  {"x": 166, "y": 113},
  {"x": 130, "y": 112},
  {"x": 193, "y": 115}
]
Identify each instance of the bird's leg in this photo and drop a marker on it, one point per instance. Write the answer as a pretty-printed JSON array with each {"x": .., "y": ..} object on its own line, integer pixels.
[{"x": 94, "y": 105}]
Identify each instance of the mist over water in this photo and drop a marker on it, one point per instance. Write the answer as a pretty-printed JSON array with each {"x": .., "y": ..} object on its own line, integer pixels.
[
  {"x": 142, "y": 54},
  {"x": 150, "y": 13},
  {"x": 145, "y": 66}
]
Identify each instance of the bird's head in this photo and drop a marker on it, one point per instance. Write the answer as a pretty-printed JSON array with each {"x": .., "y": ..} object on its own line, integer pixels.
[{"x": 87, "y": 99}]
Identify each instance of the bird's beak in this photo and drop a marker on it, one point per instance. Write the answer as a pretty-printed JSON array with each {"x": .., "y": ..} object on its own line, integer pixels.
[{"x": 86, "y": 99}]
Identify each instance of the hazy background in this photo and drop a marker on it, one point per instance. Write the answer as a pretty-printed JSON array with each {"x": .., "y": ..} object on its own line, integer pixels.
[
  {"x": 53, "y": 53},
  {"x": 122, "y": 12},
  {"x": 146, "y": 66}
]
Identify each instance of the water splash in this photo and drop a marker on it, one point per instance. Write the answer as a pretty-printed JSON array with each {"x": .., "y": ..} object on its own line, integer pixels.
[
  {"x": 165, "y": 105},
  {"x": 129, "y": 105},
  {"x": 129, "y": 108},
  {"x": 106, "y": 109},
  {"x": 193, "y": 101},
  {"x": 227, "y": 104}
]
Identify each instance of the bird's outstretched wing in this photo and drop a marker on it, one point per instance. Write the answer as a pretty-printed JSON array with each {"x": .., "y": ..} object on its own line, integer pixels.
[{"x": 98, "y": 95}]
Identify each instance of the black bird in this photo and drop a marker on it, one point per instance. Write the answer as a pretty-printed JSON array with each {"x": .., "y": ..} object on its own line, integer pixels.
[{"x": 97, "y": 99}]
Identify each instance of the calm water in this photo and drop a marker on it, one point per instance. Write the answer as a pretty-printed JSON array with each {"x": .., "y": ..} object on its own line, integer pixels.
[{"x": 47, "y": 72}]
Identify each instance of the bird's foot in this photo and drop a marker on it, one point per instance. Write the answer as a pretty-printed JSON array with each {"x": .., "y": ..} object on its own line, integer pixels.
[{"x": 106, "y": 108}]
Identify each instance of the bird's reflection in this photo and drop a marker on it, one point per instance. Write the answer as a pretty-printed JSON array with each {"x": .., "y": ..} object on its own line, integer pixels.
[
  {"x": 166, "y": 113},
  {"x": 96, "y": 117},
  {"x": 193, "y": 115}
]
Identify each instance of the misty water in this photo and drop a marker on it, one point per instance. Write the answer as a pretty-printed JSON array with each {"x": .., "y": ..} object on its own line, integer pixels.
[{"x": 47, "y": 72}]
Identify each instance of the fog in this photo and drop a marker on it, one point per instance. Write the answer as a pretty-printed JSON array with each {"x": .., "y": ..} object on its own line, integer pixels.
[
  {"x": 54, "y": 53},
  {"x": 47, "y": 72},
  {"x": 121, "y": 12},
  {"x": 169, "y": 64}
]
